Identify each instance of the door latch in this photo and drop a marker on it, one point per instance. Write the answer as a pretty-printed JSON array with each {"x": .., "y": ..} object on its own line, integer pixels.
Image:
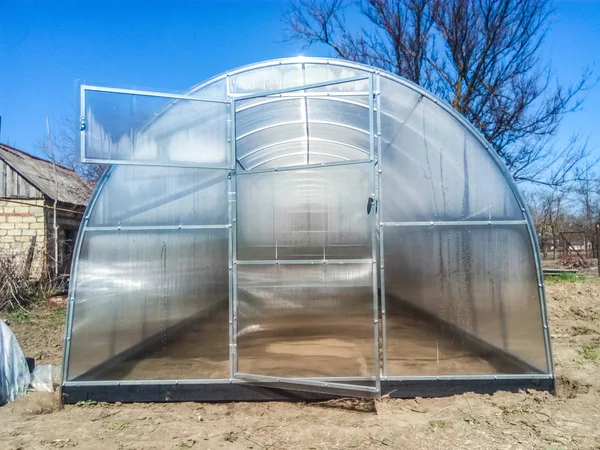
[{"x": 370, "y": 203}]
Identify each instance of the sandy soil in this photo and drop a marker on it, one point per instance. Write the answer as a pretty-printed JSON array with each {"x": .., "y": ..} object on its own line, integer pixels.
[{"x": 528, "y": 420}]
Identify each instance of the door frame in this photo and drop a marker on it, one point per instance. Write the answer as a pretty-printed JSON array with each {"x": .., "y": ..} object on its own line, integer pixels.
[{"x": 341, "y": 385}]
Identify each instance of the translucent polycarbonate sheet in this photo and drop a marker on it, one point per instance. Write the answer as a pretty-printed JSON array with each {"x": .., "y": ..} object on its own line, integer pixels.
[
  {"x": 306, "y": 320},
  {"x": 433, "y": 167},
  {"x": 124, "y": 127},
  {"x": 470, "y": 295},
  {"x": 289, "y": 131},
  {"x": 284, "y": 76},
  {"x": 253, "y": 115},
  {"x": 344, "y": 111},
  {"x": 268, "y": 78},
  {"x": 318, "y": 213},
  {"x": 213, "y": 90},
  {"x": 317, "y": 73},
  {"x": 147, "y": 195},
  {"x": 151, "y": 305}
]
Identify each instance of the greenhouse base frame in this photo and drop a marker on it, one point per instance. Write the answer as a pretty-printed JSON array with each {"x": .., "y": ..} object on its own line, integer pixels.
[{"x": 234, "y": 391}]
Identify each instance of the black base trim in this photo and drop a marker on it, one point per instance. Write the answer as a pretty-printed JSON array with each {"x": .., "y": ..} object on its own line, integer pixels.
[{"x": 236, "y": 392}]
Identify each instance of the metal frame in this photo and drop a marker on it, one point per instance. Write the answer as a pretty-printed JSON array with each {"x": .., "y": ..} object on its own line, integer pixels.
[
  {"x": 219, "y": 390},
  {"x": 233, "y": 389}
]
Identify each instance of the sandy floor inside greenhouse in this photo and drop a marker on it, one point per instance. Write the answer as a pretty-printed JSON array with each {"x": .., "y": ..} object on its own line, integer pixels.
[
  {"x": 309, "y": 346},
  {"x": 524, "y": 420}
]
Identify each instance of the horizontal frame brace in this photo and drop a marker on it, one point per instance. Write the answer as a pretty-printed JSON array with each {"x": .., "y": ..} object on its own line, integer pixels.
[
  {"x": 503, "y": 376},
  {"x": 297, "y": 88},
  {"x": 157, "y": 227},
  {"x": 304, "y": 166},
  {"x": 86, "y": 87},
  {"x": 265, "y": 262},
  {"x": 316, "y": 379},
  {"x": 455, "y": 223},
  {"x": 323, "y": 94},
  {"x": 133, "y": 162}
]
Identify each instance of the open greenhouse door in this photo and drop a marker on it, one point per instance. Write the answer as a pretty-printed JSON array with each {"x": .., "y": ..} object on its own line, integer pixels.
[
  {"x": 125, "y": 126},
  {"x": 305, "y": 311}
]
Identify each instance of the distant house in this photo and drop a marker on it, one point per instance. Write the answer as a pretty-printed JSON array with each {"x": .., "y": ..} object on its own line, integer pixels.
[{"x": 28, "y": 189}]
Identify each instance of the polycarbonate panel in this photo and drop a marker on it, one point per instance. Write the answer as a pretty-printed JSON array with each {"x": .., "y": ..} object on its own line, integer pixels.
[
  {"x": 305, "y": 214},
  {"x": 254, "y": 116},
  {"x": 355, "y": 139},
  {"x": 318, "y": 73},
  {"x": 268, "y": 78},
  {"x": 253, "y": 145},
  {"x": 137, "y": 129},
  {"x": 151, "y": 305},
  {"x": 344, "y": 111},
  {"x": 433, "y": 168},
  {"x": 145, "y": 195},
  {"x": 461, "y": 300},
  {"x": 306, "y": 320}
]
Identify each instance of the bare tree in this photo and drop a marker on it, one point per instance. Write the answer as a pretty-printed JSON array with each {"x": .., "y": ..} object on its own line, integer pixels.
[
  {"x": 549, "y": 209},
  {"x": 67, "y": 153},
  {"x": 587, "y": 196},
  {"x": 481, "y": 56}
]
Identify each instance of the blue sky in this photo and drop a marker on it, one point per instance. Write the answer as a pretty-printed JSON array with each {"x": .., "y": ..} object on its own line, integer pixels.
[{"x": 46, "y": 46}]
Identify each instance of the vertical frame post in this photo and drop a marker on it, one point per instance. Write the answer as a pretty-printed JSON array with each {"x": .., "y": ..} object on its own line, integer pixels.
[
  {"x": 82, "y": 123},
  {"x": 231, "y": 200},
  {"x": 380, "y": 228},
  {"x": 373, "y": 223}
]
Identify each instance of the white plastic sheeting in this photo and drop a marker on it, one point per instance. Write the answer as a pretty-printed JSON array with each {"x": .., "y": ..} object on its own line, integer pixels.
[{"x": 14, "y": 372}]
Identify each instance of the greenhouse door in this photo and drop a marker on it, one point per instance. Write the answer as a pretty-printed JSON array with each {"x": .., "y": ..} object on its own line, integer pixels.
[{"x": 304, "y": 304}]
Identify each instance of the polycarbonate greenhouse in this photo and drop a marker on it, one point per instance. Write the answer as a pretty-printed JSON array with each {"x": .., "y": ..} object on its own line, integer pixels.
[{"x": 299, "y": 229}]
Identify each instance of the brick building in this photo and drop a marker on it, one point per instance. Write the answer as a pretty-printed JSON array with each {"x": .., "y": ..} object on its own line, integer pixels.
[{"x": 28, "y": 190}]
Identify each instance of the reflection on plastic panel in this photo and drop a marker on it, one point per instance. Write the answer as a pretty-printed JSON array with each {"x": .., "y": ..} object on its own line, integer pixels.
[
  {"x": 136, "y": 291},
  {"x": 306, "y": 320},
  {"x": 305, "y": 214},
  {"x": 146, "y": 196},
  {"x": 459, "y": 282},
  {"x": 136, "y": 128},
  {"x": 433, "y": 168}
]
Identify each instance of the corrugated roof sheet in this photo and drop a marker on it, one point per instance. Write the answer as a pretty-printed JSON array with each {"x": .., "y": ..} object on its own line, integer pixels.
[{"x": 39, "y": 172}]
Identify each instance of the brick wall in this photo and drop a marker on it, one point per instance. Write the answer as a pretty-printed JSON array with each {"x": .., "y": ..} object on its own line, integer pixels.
[{"x": 22, "y": 228}]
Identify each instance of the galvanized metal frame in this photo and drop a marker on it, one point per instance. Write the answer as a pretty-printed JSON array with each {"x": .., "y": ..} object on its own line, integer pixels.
[
  {"x": 374, "y": 219},
  {"x": 232, "y": 209},
  {"x": 532, "y": 376},
  {"x": 306, "y": 166},
  {"x": 379, "y": 171},
  {"x": 455, "y": 223},
  {"x": 527, "y": 221},
  {"x": 155, "y": 227}
]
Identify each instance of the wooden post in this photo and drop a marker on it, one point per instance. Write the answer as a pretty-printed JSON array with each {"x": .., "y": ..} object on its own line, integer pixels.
[{"x": 55, "y": 224}]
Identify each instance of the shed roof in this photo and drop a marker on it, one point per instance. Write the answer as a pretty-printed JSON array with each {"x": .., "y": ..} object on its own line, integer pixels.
[{"x": 39, "y": 172}]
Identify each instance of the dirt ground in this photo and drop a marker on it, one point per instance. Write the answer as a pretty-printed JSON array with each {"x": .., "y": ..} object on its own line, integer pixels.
[{"x": 525, "y": 420}]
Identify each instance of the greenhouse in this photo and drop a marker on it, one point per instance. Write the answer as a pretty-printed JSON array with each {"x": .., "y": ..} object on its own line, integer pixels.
[{"x": 298, "y": 229}]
